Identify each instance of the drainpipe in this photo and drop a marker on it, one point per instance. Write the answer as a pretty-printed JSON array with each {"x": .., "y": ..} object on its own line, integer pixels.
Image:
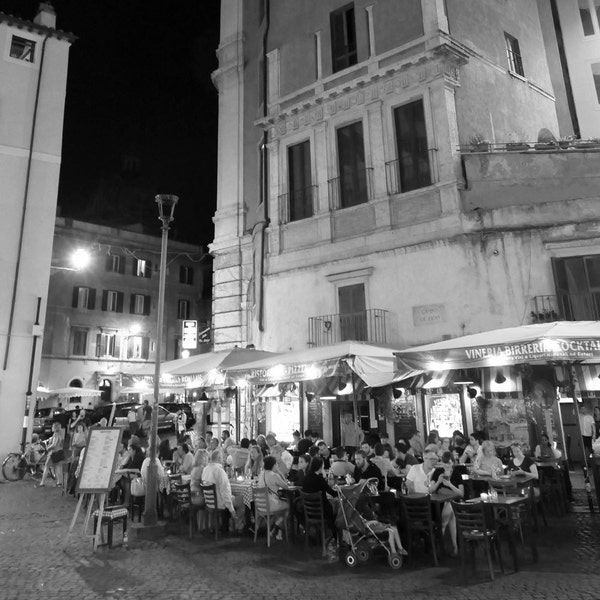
[
  {"x": 24, "y": 211},
  {"x": 264, "y": 223}
]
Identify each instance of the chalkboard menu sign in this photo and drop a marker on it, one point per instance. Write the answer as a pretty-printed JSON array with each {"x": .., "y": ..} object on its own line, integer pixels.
[
  {"x": 99, "y": 460},
  {"x": 315, "y": 416}
]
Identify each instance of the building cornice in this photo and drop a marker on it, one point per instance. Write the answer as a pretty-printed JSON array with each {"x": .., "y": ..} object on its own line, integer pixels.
[{"x": 58, "y": 34}]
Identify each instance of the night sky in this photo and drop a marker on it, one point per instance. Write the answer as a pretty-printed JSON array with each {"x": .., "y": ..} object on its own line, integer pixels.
[{"x": 141, "y": 110}]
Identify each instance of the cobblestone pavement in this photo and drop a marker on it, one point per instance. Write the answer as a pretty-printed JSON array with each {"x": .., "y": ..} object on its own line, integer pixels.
[{"x": 34, "y": 523}]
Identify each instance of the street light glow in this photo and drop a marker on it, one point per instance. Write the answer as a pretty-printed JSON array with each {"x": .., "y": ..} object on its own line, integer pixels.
[{"x": 80, "y": 259}]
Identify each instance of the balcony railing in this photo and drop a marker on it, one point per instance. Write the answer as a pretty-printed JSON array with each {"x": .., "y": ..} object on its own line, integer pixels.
[
  {"x": 403, "y": 177},
  {"x": 545, "y": 309},
  {"x": 298, "y": 204},
  {"x": 351, "y": 189},
  {"x": 584, "y": 306},
  {"x": 364, "y": 326}
]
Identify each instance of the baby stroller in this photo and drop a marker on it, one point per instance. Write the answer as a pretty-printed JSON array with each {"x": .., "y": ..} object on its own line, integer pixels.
[{"x": 359, "y": 536}]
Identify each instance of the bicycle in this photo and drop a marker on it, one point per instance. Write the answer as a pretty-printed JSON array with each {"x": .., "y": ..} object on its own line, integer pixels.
[{"x": 17, "y": 464}]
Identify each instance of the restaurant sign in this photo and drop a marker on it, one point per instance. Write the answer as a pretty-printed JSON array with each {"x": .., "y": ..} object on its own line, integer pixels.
[
  {"x": 292, "y": 372},
  {"x": 544, "y": 349}
]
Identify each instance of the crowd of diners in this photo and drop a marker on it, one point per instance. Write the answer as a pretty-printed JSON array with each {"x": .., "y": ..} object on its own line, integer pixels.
[{"x": 309, "y": 464}]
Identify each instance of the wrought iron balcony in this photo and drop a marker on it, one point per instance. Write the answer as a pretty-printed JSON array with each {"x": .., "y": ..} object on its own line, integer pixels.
[
  {"x": 351, "y": 189},
  {"x": 298, "y": 204},
  {"x": 364, "y": 326},
  {"x": 545, "y": 309},
  {"x": 402, "y": 176}
]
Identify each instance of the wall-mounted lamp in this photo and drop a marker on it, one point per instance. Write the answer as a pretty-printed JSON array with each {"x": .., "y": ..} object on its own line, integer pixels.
[
  {"x": 397, "y": 393},
  {"x": 500, "y": 378}
]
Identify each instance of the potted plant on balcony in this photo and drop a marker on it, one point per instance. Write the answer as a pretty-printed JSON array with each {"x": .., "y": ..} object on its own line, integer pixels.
[
  {"x": 591, "y": 143},
  {"x": 479, "y": 143},
  {"x": 517, "y": 146},
  {"x": 565, "y": 142}
]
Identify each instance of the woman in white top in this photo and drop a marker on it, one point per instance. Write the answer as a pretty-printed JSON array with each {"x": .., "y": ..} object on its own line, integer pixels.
[
  {"x": 487, "y": 463},
  {"x": 54, "y": 446},
  {"x": 272, "y": 479}
]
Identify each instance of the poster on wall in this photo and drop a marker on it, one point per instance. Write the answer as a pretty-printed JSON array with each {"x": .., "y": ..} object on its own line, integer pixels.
[
  {"x": 507, "y": 420},
  {"x": 444, "y": 413}
]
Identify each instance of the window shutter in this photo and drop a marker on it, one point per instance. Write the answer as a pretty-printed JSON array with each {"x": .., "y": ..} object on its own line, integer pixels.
[
  {"x": 120, "y": 299},
  {"x": 122, "y": 262},
  {"x": 117, "y": 350},
  {"x": 75, "y": 296},
  {"x": 182, "y": 274},
  {"x": 109, "y": 264},
  {"x": 132, "y": 304},
  {"x": 147, "y": 305},
  {"x": 104, "y": 299},
  {"x": 145, "y": 347},
  {"x": 134, "y": 266},
  {"x": 99, "y": 351},
  {"x": 148, "y": 271},
  {"x": 92, "y": 299}
]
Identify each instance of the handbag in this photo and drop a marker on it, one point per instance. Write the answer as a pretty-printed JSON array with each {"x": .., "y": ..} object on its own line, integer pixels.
[
  {"x": 58, "y": 456},
  {"x": 138, "y": 487}
]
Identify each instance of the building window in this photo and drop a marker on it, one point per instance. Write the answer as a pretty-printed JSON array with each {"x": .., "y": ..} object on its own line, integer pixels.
[
  {"x": 186, "y": 275},
  {"x": 79, "y": 337},
  {"x": 577, "y": 281},
  {"x": 589, "y": 11},
  {"x": 299, "y": 182},
  {"x": 513, "y": 52},
  {"x": 84, "y": 297},
  {"x": 112, "y": 301},
  {"x": 414, "y": 171},
  {"x": 142, "y": 268},
  {"x": 138, "y": 347},
  {"x": 353, "y": 315},
  {"x": 596, "y": 76},
  {"x": 115, "y": 263},
  {"x": 343, "y": 38},
  {"x": 107, "y": 344},
  {"x": 139, "y": 304},
  {"x": 22, "y": 49},
  {"x": 183, "y": 309},
  {"x": 353, "y": 173}
]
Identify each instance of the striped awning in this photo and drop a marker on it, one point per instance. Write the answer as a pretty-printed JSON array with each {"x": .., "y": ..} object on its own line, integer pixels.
[
  {"x": 440, "y": 379},
  {"x": 586, "y": 379}
]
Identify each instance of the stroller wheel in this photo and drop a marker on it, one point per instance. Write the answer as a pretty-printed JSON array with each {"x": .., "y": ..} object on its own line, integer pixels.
[
  {"x": 395, "y": 561},
  {"x": 363, "y": 555},
  {"x": 350, "y": 559}
]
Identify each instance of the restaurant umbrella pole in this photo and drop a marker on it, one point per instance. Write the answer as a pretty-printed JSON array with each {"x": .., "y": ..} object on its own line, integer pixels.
[{"x": 586, "y": 474}]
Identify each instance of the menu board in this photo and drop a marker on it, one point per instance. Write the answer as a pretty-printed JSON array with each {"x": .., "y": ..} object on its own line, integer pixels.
[
  {"x": 99, "y": 460},
  {"x": 444, "y": 413}
]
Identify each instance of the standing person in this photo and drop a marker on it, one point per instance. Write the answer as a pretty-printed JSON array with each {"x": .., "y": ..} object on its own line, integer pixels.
[
  {"x": 588, "y": 429},
  {"x": 147, "y": 422},
  {"x": 56, "y": 454},
  {"x": 227, "y": 441},
  {"x": 132, "y": 420},
  {"x": 305, "y": 443},
  {"x": 416, "y": 445},
  {"x": 351, "y": 435},
  {"x": 596, "y": 422},
  {"x": 180, "y": 423}
]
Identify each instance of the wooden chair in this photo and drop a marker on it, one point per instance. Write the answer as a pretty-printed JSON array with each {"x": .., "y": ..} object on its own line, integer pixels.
[
  {"x": 183, "y": 504},
  {"x": 314, "y": 516},
  {"x": 263, "y": 512},
  {"x": 419, "y": 520},
  {"x": 552, "y": 489},
  {"x": 471, "y": 528},
  {"x": 210, "y": 497}
]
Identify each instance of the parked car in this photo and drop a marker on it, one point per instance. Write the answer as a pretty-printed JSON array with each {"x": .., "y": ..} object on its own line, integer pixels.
[
  {"x": 173, "y": 407},
  {"x": 166, "y": 419},
  {"x": 43, "y": 419}
]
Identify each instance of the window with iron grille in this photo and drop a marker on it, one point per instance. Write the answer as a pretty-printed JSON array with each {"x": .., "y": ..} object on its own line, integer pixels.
[
  {"x": 186, "y": 275},
  {"x": 22, "y": 49},
  {"x": 353, "y": 172},
  {"x": 513, "y": 53},
  {"x": 343, "y": 38},
  {"x": 299, "y": 181},
  {"x": 414, "y": 169}
]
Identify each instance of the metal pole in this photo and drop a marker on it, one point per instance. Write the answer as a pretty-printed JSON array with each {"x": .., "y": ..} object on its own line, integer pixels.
[{"x": 150, "y": 513}]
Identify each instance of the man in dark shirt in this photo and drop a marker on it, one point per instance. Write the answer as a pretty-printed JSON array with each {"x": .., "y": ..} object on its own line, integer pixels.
[
  {"x": 404, "y": 460},
  {"x": 365, "y": 469},
  {"x": 305, "y": 443}
]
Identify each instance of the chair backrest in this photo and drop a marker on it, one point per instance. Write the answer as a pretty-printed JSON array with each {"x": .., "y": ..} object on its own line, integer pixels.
[
  {"x": 469, "y": 517},
  {"x": 417, "y": 509},
  {"x": 210, "y": 496},
  {"x": 182, "y": 494},
  {"x": 261, "y": 500},
  {"x": 313, "y": 505}
]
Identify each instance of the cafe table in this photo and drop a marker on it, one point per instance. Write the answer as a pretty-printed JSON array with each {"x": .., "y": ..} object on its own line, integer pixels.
[
  {"x": 511, "y": 481},
  {"x": 501, "y": 510}
]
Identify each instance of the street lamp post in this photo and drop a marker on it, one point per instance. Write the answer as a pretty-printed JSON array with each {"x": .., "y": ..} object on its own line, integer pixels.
[{"x": 166, "y": 208}]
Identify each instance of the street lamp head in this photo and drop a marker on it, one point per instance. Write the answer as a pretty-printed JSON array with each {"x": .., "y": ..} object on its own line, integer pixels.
[
  {"x": 80, "y": 259},
  {"x": 166, "y": 207}
]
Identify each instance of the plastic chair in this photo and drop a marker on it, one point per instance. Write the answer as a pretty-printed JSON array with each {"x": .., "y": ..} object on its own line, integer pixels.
[
  {"x": 262, "y": 511},
  {"x": 210, "y": 497},
  {"x": 314, "y": 516},
  {"x": 418, "y": 517},
  {"x": 471, "y": 528}
]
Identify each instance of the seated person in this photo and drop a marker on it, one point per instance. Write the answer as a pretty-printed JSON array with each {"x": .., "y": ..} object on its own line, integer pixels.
[
  {"x": 184, "y": 459},
  {"x": 305, "y": 443},
  {"x": 545, "y": 452},
  {"x": 384, "y": 464},
  {"x": 418, "y": 479},
  {"x": 324, "y": 454},
  {"x": 239, "y": 456},
  {"x": 276, "y": 452},
  {"x": 273, "y": 480},
  {"x": 487, "y": 463},
  {"x": 165, "y": 452},
  {"x": 315, "y": 482},
  {"x": 254, "y": 464},
  {"x": 340, "y": 466},
  {"x": 365, "y": 469},
  {"x": 299, "y": 474},
  {"x": 404, "y": 460}
]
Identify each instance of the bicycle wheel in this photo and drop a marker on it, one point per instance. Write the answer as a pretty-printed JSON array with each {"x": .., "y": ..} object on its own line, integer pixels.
[{"x": 14, "y": 467}]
